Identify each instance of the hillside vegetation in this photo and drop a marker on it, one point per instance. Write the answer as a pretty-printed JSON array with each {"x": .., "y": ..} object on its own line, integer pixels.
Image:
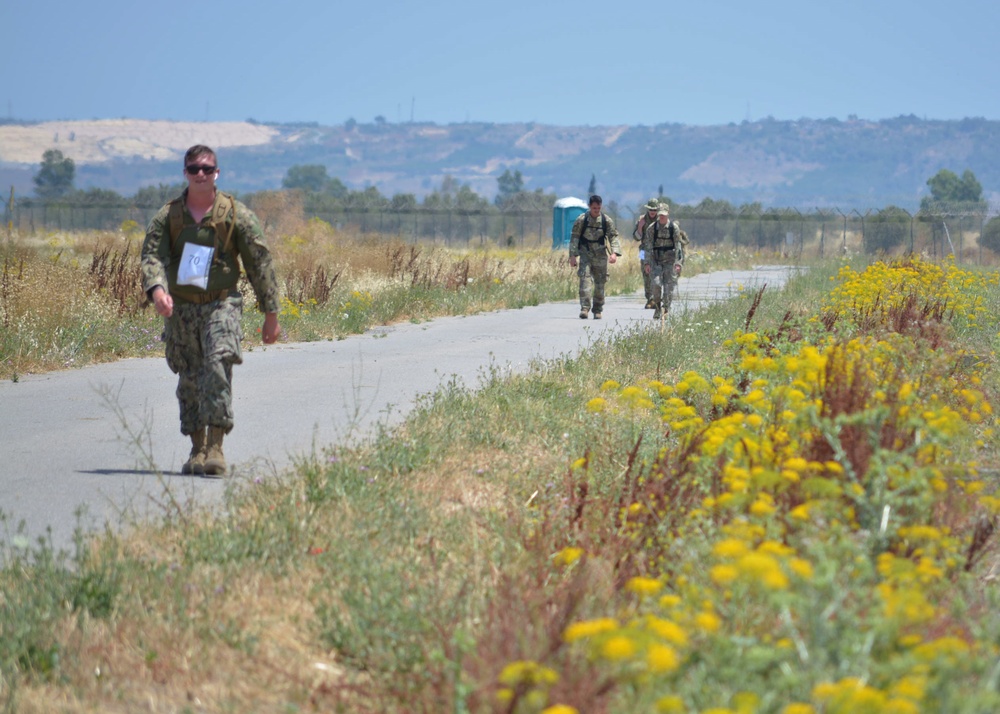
[{"x": 802, "y": 164}]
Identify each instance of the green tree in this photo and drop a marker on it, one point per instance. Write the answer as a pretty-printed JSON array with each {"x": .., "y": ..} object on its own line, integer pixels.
[
  {"x": 336, "y": 188},
  {"x": 308, "y": 177},
  {"x": 716, "y": 220},
  {"x": 508, "y": 185},
  {"x": 592, "y": 189},
  {"x": 55, "y": 178},
  {"x": 469, "y": 201},
  {"x": 991, "y": 235},
  {"x": 529, "y": 201},
  {"x": 886, "y": 230},
  {"x": 102, "y": 197},
  {"x": 443, "y": 197},
  {"x": 368, "y": 200},
  {"x": 404, "y": 203},
  {"x": 949, "y": 190},
  {"x": 156, "y": 196}
]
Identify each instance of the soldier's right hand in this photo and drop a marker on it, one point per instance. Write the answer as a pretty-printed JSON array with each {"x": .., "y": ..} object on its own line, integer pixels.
[{"x": 163, "y": 302}]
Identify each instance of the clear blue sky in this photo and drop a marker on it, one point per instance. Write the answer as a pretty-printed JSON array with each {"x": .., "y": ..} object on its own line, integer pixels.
[{"x": 549, "y": 61}]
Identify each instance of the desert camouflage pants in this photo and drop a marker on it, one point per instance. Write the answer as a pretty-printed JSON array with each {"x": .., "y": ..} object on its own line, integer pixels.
[
  {"x": 647, "y": 281},
  {"x": 664, "y": 280},
  {"x": 593, "y": 273},
  {"x": 202, "y": 345}
]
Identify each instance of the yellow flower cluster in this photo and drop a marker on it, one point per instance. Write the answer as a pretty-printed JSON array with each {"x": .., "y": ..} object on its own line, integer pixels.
[
  {"x": 883, "y": 287},
  {"x": 358, "y": 302},
  {"x": 291, "y": 311},
  {"x": 819, "y": 467},
  {"x": 528, "y": 680}
]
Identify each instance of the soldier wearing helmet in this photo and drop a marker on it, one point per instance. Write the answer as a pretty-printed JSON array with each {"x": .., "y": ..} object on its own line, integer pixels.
[
  {"x": 645, "y": 219},
  {"x": 663, "y": 244}
]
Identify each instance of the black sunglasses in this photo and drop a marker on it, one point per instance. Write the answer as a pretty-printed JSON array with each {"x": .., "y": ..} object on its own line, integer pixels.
[{"x": 193, "y": 169}]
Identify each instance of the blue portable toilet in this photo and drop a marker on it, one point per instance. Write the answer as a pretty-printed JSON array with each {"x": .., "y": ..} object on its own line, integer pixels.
[{"x": 565, "y": 211}]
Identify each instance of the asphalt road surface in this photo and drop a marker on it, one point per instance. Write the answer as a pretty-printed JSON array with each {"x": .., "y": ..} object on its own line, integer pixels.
[{"x": 101, "y": 447}]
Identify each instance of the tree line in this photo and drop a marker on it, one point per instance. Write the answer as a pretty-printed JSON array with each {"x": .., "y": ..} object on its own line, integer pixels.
[
  {"x": 54, "y": 183},
  {"x": 949, "y": 195}
]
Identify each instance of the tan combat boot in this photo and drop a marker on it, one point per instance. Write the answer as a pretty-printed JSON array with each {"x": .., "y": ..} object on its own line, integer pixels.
[
  {"x": 215, "y": 460},
  {"x": 196, "y": 461}
]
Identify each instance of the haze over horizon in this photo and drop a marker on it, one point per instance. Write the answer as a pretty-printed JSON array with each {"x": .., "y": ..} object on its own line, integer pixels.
[{"x": 559, "y": 63}]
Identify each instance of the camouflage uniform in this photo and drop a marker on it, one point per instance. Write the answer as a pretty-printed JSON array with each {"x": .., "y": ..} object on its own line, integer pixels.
[
  {"x": 591, "y": 245},
  {"x": 202, "y": 336},
  {"x": 641, "y": 222},
  {"x": 664, "y": 247}
]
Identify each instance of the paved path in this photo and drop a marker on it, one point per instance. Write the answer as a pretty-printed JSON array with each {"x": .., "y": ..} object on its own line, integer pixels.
[{"x": 104, "y": 441}]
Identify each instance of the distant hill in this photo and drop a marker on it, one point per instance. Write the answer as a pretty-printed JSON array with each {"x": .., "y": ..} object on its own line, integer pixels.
[{"x": 801, "y": 164}]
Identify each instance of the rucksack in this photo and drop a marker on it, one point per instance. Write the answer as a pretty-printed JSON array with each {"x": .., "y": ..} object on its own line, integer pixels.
[
  {"x": 670, "y": 235},
  {"x": 223, "y": 217},
  {"x": 604, "y": 228}
]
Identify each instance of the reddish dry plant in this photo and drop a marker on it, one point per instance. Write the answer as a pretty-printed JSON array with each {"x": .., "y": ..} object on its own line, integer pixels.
[
  {"x": 847, "y": 389},
  {"x": 524, "y": 621},
  {"x": 315, "y": 286},
  {"x": 8, "y": 284},
  {"x": 118, "y": 273},
  {"x": 405, "y": 263},
  {"x": 928, "y": 321}
]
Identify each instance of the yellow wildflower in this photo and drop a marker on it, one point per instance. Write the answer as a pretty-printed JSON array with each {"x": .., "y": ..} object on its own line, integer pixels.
[
  {"x": 589, "y": 628},
  {"x": 597, "y": 404},
  {"x": 618, "y": 647},
  {"x": 644, "y": 587},
  {"x": 568, "y": 555},
  {"x": 662, "y": 658}
]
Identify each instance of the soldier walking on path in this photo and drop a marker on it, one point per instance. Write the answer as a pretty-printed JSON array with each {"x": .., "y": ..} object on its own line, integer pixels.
[
  {"x": 647, "y": 218},
  {"x": 664, "y": 244},
  {"x": 190, "y": 268},
  {"x": 593, "y": 244}
]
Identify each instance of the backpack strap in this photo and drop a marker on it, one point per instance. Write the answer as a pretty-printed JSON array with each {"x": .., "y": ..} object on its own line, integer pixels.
[
  {"x": 604, "y": 229},
  {"x": 176, "y": 215},
  {"x": 222, "y": 221},
  {"x": 670, "y": 235}
]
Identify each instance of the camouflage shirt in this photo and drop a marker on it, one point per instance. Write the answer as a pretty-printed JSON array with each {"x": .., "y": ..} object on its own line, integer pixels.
[
  {"x": 640, "y": 225},
  {"x": 161, "y": 255},
  {"x": 659, "y": 240},
  {"x": 593, "y": 238}
]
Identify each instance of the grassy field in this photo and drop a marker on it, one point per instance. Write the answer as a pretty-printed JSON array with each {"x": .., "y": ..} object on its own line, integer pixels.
[
  {"x": 783, "y": 503},
  {"x": 71, "y": 299}
]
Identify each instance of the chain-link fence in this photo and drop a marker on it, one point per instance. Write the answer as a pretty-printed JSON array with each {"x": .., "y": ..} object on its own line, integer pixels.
[{"x": 801, "y": 234}]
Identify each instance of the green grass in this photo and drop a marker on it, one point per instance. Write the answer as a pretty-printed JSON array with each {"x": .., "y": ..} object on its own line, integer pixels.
[{"x": 401, "y": 574}]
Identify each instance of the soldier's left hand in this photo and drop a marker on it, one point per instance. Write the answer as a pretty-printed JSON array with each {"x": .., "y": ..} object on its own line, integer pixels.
[
  {"x": 270, "y": 331},
  {"x": 612, "y": 258},
  {"x": 677, "y": 269}
]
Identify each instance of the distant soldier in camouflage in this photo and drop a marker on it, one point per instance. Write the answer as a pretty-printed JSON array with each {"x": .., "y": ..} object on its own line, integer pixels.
[
  {"x": 190, "y": 268},
  {"x": 593, "y": 244},
  {"x": 664, "y": 244},
  {"x": 645, "y": 219}
]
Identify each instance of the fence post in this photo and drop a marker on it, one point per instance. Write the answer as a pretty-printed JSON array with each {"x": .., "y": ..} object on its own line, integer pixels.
[
  {"x": 10, "y": 213},
  {"x": 844, "y": 246},
  {"x": 982, "y": 227}
]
